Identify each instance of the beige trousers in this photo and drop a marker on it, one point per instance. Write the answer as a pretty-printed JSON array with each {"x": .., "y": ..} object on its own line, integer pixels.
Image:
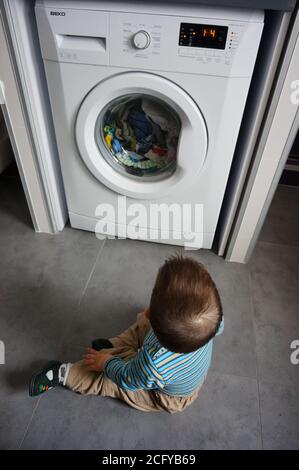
[{"x": 125, "y": 346}]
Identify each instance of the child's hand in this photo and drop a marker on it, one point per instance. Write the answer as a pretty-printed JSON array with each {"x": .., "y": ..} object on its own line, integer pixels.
[{"x": 94, "y": 360}]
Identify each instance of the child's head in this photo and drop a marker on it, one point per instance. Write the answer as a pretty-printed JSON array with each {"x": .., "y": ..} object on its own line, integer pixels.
[{"x": 185, "y": 308}]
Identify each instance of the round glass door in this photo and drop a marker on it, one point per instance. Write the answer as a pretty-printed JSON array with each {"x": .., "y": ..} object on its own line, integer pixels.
[
  {"x": 141, "y": 135},
  {"x": 138, "y": 136}
]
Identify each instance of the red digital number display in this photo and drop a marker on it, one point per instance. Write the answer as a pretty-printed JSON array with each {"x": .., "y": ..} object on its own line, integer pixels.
[
  {"x": 202, "y": 35},
  {"x": 208, "y": 32}
]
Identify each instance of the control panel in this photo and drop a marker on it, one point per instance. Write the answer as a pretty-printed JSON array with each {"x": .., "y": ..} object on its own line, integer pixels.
[
  {"x": 153, "y": 42},
  {"x": 220, "y": 49},
  {"x": 186, "y": 45},
  {"x": 203, "y": 35}
]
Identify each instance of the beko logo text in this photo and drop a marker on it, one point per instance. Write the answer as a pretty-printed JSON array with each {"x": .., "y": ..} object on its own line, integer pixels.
[{"x": 57, "y": 13}]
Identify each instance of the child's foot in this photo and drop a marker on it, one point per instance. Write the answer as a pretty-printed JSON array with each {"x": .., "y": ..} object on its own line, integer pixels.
[
  {"x": 101, "y": 343},
  {"x": 45, "y": 379}
]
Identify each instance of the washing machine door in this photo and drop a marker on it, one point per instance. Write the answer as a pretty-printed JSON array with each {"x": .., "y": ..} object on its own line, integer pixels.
[{"x": 141, "y": 135}]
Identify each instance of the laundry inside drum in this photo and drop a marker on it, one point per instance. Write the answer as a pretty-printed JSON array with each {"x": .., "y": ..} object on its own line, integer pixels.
[{"x": 138, "y": 135}]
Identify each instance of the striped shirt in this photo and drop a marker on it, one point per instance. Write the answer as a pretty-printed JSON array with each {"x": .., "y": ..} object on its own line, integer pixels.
[{"x": 156, "y": 368}]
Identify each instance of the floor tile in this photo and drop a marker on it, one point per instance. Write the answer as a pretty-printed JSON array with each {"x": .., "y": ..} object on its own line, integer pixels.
[
  {"x": 275, "y": 290},
  {"x": 42, "y": 287},
  {"x": 282, "y": 222},
  {"x": 228, "y": 414},
  {"x": 225, "y": 416},
  {"x": 119, "y": 288},
  {"x": 273, "y": 354},
  {"x": 275, "y": 283},
  {"x": 42, "y": 279},
  {"x": 15, "y": 411},
  {"x": 234, "y": 350},
  {"x": 280, "y": 415}
]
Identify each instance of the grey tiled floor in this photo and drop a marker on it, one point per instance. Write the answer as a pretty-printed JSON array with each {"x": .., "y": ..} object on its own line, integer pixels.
[{"x": 57, "y": 292}]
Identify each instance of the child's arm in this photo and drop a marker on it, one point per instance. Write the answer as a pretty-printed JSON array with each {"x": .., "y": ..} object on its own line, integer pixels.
[{"x": 138, "y": 373}]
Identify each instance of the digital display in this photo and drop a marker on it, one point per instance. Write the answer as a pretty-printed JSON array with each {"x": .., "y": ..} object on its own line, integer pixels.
[{"x": 203, "y": 35}]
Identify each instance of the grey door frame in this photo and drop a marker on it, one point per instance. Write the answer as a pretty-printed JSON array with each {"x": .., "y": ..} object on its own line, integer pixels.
[
  {"x": 31, "y": 84},
  {"x": 276, "y": 138},
  {"x": 19, "y": 134}
]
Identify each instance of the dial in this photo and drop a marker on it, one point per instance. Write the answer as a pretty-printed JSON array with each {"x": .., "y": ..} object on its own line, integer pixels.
[{"x": 141, "y": 40}]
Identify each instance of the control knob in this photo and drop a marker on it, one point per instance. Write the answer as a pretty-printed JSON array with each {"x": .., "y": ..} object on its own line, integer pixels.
[{"x": 141, "y": 40}]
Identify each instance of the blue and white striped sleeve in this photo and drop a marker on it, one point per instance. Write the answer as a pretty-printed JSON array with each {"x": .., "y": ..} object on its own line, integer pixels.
[{"x": 139, "y": 373}]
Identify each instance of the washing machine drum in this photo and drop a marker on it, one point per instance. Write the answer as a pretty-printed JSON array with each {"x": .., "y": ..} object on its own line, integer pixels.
[{"x": 141, "y": 135}]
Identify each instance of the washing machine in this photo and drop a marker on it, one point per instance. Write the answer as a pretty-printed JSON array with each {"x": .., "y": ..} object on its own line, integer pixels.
[{"x": 147, "y": 102}]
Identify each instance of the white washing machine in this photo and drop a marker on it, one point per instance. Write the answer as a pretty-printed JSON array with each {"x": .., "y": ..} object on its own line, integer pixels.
[{"x": 147, "y": 103}]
